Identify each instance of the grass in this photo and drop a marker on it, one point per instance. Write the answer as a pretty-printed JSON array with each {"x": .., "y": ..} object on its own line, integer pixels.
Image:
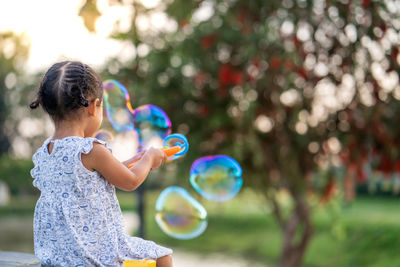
[
  {"x": 365, "y": 233},
  {"x": 19, "y": 205}
]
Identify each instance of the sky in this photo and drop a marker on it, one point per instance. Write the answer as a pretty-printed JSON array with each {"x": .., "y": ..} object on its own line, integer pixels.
[{"x": 56, "y": 32}]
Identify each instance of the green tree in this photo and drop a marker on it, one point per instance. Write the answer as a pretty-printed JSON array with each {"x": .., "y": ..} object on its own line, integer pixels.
[
  {"x": 286, "y": 87},
  {"x": 13, "y": 53}
]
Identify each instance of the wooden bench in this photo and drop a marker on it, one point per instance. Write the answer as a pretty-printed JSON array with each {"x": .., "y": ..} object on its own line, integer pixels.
[
  {"x": 18, "y": 259},
  {"x": 14, "y": 259}
]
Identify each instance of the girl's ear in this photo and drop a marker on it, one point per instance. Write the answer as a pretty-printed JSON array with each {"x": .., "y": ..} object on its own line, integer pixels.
[{"x": 92, "y": 106}]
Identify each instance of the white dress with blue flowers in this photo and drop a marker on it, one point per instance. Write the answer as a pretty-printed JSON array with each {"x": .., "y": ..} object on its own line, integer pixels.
[{"x": 78, "y": 220}]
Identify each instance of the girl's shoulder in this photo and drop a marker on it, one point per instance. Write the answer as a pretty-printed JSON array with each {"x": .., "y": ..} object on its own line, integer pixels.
[
  {"x": 70, "y": 144},
  {"x": 81, "y": 144},
  {"x": 65, "y": 152}
]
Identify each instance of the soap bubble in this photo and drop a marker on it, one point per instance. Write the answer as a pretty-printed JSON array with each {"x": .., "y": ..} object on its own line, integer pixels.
[
  {"x": 217, "y": 178},
  {"x": 104, "y": 135},
  {"x": 117, "y": 105},
  {"x": 151, "y": 124},
  {"x": 176, "y": 140},
  {"x": 179, "y": 215}
]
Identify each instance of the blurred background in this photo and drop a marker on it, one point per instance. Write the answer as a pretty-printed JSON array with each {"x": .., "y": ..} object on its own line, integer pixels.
[{"x": 304, "y": 94}]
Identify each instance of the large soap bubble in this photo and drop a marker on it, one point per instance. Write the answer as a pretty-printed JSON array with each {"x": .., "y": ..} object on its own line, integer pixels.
[
  {"x": 118, "y": 106},
  {"x": 217, "y": 178},
  {"x": 179, "y": 215},
  {"x": 151, "y": 124}
]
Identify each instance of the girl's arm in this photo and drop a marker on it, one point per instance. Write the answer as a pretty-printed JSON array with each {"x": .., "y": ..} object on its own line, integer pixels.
[
  {"x": 135, "y": 158},
  {"x": 100, "y": 159}
]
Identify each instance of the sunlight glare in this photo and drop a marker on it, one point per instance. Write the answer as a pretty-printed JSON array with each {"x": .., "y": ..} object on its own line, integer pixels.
[{"x": 56, "y": 32}]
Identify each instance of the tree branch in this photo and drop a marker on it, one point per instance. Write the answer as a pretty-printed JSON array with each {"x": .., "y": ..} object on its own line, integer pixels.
[
  {"x": 276, "y": 210},
  {"x": 303, "y": 213}
]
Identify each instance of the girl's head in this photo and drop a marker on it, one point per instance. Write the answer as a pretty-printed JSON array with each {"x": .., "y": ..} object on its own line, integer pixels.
[{"x": 67, "y": 89}]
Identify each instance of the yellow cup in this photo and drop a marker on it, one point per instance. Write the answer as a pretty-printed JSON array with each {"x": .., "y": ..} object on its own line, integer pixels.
[{"x": 140, "y": 263}]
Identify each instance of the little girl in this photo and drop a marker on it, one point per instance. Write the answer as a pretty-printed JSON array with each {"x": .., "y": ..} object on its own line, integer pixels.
[{"x": 78, "y": 220}]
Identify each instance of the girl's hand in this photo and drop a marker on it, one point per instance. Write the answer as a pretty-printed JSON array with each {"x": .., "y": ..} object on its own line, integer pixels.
[
  {"x": 157, "y": 157},
  {"x": 117, "y": 173}
]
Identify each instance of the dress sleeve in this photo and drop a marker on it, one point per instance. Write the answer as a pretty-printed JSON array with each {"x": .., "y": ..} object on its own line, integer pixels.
[
  {"x": 35, "y": 169},
  {"x": 87, "y": 145},
  {"x": 36, "y": 158}
]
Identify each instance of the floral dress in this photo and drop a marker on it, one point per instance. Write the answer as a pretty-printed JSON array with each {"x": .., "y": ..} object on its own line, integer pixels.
[{"x": 78, "y": 220}]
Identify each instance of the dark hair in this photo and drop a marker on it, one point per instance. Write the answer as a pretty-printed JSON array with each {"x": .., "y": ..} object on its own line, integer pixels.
[{"x": 66, "y": 87}]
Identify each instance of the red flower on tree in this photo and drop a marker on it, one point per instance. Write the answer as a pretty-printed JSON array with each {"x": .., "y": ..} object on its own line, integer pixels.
[
  {"x": 289, "y": 65},
  {"x": 227, "y": 76},
  {"x": 385, "y": 165},
  {"x": 208, "y": 41},
  {"x": 275, "y": 63},
  {"x": 361, "y": 176},
  {"x": 366, "y": 3},
  {"x": 296, "y": 41},
  {"x": 397, "y": 166},
  {"x": 237, "y": 78},
  {"x": 224, "y": 76},
  {"x": 303, "y": 73},
  {"x": 204, "y": 110}
]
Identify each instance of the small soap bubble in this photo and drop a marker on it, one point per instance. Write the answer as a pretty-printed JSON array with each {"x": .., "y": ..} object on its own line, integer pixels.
[
  {"x": 117, "y": 105},
  {"x": 104, "y": 135},
  {"x": 179, "y": 215},
  {"x": 151, "y": 124},
  {"x": 173, "y": 140},
  {"x": 217, "y": 178}
]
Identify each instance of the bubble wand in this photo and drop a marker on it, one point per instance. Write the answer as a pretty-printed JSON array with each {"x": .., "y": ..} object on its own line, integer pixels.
[{"x": 175, "y": 146}]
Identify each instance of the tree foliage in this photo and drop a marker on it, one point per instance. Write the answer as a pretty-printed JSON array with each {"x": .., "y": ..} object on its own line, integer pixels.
[
  {"x": 286, "y": 87},
  {"x": 13, "y": 52}
]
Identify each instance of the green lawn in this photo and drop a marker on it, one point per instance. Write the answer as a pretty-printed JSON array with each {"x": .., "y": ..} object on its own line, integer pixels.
[{"x": 365, "y": 233}]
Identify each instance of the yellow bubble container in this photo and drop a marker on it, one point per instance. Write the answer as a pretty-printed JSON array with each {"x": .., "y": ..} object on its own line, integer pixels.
[{"x": 140, "y": 263}]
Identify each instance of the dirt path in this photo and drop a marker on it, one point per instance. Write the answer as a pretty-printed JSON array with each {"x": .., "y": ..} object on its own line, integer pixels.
[{"x": 185, "y": 259}]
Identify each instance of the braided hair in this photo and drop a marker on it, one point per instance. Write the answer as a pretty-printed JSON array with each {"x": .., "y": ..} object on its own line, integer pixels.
[{"x": 66, "y": 87}]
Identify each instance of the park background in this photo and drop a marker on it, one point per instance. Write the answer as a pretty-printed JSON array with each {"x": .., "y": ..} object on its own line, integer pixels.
[{"x": 304, "y": 94}]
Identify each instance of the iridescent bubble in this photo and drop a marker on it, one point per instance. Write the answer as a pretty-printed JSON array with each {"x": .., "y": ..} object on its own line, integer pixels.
[
  {"x": 151, "y": 124},
  {"x": 176, "y": 140},
  {"x": 104, "y": 135},
  {"x": 217, "y": 178},
  {"x": 179, "y": 215},
  {"x": 118, "y": 106}
]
